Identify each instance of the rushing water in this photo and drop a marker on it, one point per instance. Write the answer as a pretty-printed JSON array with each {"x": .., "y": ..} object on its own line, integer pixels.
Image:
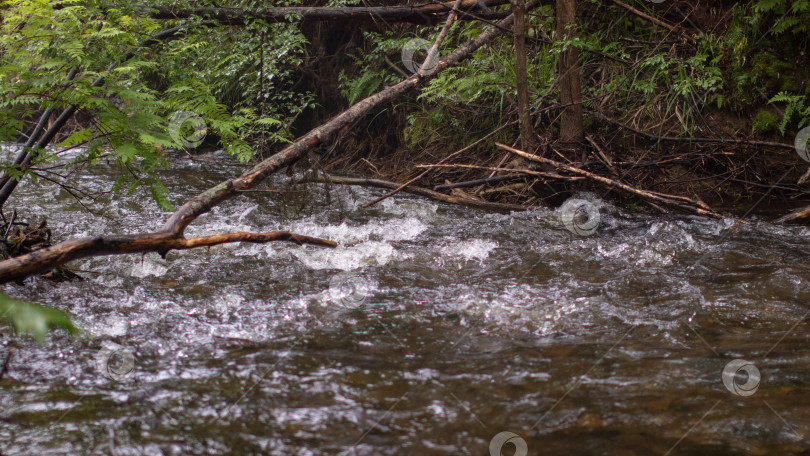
[{"x": 462, "y": 325}]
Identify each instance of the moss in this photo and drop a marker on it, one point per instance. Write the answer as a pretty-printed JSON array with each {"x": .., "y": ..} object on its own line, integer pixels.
[
  {"x": 767, "y": 68},
  {"x": 765, "y": 76},
  {"x": 774, "y": 74},
  {"x": 766, "y": 122}
]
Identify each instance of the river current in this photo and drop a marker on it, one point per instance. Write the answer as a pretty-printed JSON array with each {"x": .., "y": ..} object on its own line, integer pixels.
[{"x": 431, "y": 330}]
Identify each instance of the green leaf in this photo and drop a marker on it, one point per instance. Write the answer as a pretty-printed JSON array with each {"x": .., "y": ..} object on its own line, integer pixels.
[
  {"x": 159, "y": 192},
  {"x": 34, "y": 319},
  {"x": 126, "y": 152},
  {"x": 268, "y": 121}
]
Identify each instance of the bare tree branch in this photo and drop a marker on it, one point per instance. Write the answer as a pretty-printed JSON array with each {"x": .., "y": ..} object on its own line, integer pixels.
[{"x": 171, "y": 236}]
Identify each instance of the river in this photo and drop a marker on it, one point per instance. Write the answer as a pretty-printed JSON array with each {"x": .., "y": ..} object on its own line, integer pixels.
[{"x": 431, "y": 330}]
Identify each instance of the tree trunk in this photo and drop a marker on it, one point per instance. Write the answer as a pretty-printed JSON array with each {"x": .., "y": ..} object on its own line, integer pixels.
[
  {"x": 571, "y": 128},
  {"x": 527, "y": 135}
]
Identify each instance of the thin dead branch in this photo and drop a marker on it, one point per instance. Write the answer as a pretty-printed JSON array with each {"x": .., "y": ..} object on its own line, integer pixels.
[
  {"x": 646, "y": 16},
  {"x": 379, "y": 183},
  {"x": 678, "y": 202}
]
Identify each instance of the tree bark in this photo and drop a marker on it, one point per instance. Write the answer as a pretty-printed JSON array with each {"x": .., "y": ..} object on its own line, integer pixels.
[
  {"x": 527, "y": 134},
  {"x": 571, "y": 127}
]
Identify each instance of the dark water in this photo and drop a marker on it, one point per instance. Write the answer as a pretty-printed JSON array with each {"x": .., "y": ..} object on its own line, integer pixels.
[{"x": 461, "y": 325}]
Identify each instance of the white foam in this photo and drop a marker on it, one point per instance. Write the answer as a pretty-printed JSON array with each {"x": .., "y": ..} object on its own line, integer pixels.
[
  {"x": 358, "y": 245},
  {"x": 348, "y": 258},
  {"x": 148, "y": 266},
  {"x": 402, "y": 229},
  {"x": 111, "y": 326},
  {"x": 471, "y": 249},
  {"x": 420, "y": 209}
]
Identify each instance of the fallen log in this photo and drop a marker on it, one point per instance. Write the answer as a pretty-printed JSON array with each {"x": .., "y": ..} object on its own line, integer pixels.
[
  {"x": 428, "y": 14},
  {"x": 427, "y": 65},
  {"x": 39, "y": 260},
  {"x": 427, "y": 68},
  {"x": 170, "y": 236}
]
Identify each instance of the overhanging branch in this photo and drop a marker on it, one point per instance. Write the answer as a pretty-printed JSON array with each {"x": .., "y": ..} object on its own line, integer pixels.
[{"x": 20, "y": 267}]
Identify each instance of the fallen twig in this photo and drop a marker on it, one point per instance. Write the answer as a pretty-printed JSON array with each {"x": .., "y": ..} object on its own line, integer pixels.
[
  {"x": 484, "y": 181},
  {"x": 646, "y": 16},
  {"x": 696, "y": 140},
  {"x": 798, "y": 216},
  {"x": 527, "y": 172},
  {"x": 602, "y": 154}
]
